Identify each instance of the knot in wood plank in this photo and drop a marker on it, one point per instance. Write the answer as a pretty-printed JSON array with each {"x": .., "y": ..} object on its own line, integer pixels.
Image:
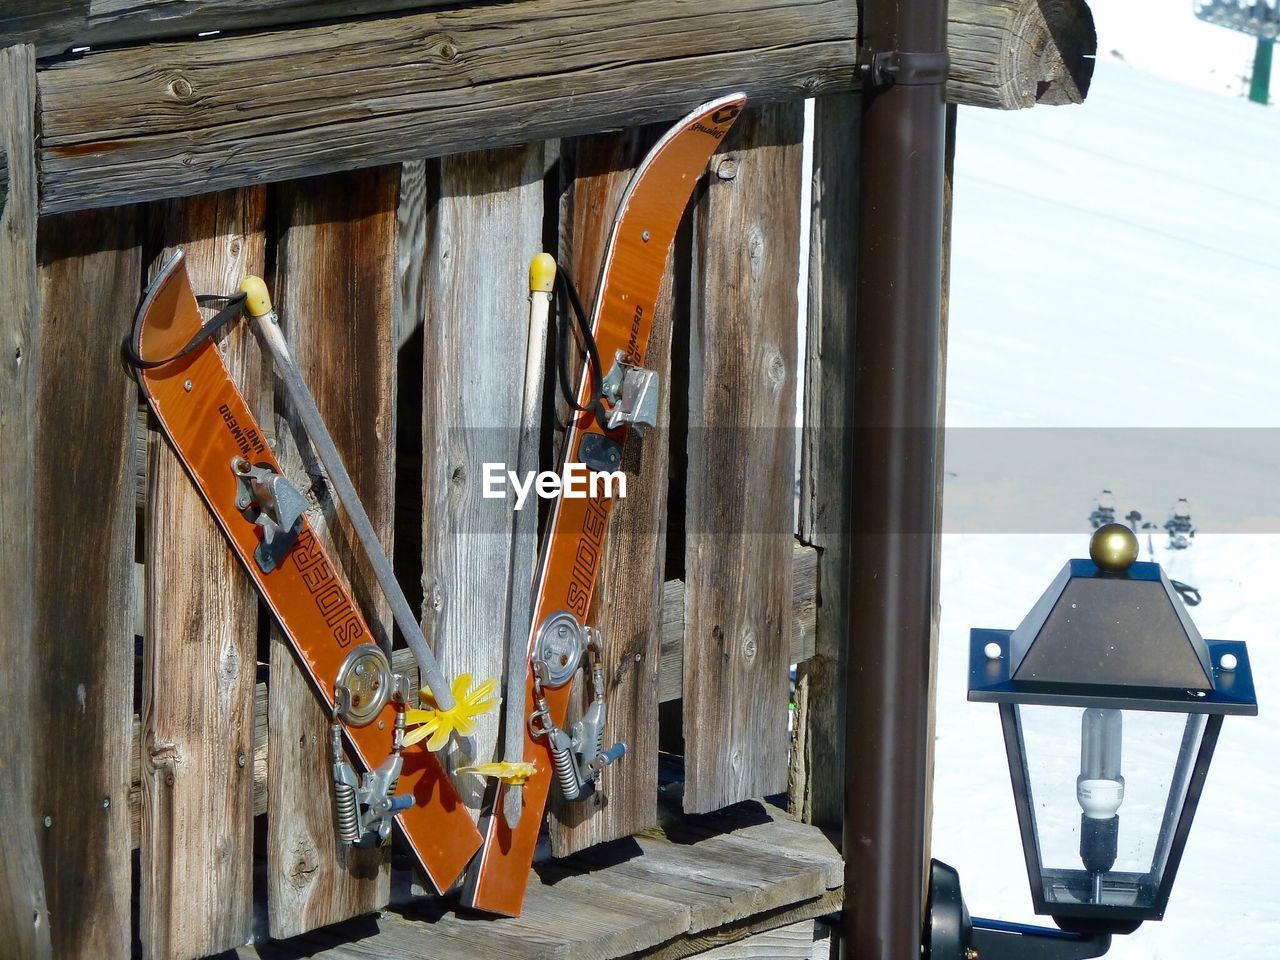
[
  {"x": 303, "y": 865},
  {"x": 180, "y": 88}
]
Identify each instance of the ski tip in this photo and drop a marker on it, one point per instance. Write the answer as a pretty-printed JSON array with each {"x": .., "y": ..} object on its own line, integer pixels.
[
  {"x": 257, "y": 300},
  {"x": 542, "y": 273}
]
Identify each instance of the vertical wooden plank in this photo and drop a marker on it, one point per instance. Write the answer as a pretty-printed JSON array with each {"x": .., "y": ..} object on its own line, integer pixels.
[
  {"x": 335, "y": 290},
  {"x": 628, "y": 601},
  {"x": 411, "y": 241},
  {"x": 816, "y": 792},
  {"x": 741, "y": 463},
  {"x": 90, "y": 272},
  {"x": 200, "y": 654},
  {"x": 483, "y": 230},
  {"x": 24, "y": 918},
  {"x": 935, "y": 604}
]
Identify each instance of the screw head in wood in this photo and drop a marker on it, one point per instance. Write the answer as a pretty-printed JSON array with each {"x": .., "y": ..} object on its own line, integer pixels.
[{"x": 186, "y": 385}]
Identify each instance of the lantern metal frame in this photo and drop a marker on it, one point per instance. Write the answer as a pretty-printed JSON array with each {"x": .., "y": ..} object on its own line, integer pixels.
[{"x": 1137, "y": 674}]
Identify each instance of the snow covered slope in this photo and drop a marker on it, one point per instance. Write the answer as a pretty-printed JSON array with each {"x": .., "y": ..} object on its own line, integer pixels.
[
  {"x": 1117, "y": 265},
  {"x": 1164, "y": 37}
]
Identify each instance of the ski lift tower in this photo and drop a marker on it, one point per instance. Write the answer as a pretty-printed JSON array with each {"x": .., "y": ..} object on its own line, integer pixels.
[{"x": 1260, "y": 19}]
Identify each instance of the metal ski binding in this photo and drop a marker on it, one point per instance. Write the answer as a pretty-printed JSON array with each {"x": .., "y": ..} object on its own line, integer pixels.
[
  {"x": 364, "y": 807},
  {"x": 578, "y": 756},
  {"x": 633, "y": 392},
  {"x": 280, "y": 509}
]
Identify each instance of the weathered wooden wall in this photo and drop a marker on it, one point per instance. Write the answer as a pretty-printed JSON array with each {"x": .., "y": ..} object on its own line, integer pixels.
[{"x": 428, "y": 257}]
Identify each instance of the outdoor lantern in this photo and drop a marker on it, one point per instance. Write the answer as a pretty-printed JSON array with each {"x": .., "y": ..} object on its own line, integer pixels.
[{"x": 1111, "y": 703}]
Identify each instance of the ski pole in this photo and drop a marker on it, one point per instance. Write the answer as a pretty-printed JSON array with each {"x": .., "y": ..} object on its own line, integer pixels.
[
  {"x": 258, "y": 303},
  {"x": 542, "y": 275}
]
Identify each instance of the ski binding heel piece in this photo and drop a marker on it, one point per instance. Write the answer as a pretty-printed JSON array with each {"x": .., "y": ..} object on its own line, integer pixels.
[
  {"x": 365, "y": 807},
  {"x": 578, "y": 756},
  {"x": 280, "y": 508},
  {"x": 633, "y": 392}
]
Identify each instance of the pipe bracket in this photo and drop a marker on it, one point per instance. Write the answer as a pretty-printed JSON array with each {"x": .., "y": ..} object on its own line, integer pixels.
[{"x": 887, "y": 67}]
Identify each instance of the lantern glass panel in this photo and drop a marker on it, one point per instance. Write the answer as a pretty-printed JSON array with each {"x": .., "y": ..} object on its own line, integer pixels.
[{"x": 1105, "y": 789}]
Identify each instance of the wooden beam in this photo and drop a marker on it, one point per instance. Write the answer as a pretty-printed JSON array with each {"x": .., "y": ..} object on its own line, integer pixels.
[
  {"x": 1009, "y": 54},
  {"x": 741, "y": 469},
  {"x": 24, "y": 916},
  {"x": 132, "y": 21},
  {"x": 1005, "y": 53},
  {"x": 50, "y": 25},
  {"x": 180, "y": 118}
]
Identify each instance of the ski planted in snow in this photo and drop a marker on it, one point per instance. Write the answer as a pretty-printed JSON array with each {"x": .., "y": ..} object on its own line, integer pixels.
[
  {"x": 560, "y": 641},
  {"x": 224, "y": 451}
]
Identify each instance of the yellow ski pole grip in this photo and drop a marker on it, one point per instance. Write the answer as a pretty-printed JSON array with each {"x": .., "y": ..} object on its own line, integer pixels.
[
  {"x": 257, "y": 300},
  {"x": 542, "y": 273}
]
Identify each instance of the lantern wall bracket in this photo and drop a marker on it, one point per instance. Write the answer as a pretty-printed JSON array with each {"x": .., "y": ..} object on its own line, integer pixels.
[{"x": 953, "y": 935}]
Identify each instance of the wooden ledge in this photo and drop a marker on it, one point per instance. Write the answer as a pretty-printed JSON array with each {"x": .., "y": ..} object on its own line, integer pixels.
[{"x": 667, "y": 893}]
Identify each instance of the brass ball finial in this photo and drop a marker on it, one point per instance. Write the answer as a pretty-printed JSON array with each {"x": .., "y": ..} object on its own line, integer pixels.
[{"x": 1113, "y": 547}]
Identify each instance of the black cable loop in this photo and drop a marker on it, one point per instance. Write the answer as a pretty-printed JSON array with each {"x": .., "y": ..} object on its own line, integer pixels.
[
  {"x": 569, "y": 302},
  {"x": 207, "y": 330}
]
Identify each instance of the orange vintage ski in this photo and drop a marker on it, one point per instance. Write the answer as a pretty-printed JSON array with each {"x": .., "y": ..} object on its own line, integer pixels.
[
  {"x": 622, "y": 316},
  {"x": 211, "y": 428}
]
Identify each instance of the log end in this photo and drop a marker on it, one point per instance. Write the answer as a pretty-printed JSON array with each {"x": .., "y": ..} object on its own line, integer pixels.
[
  {"x": 1012, "y": 54},
  {"x": 1053, "y": 51}
]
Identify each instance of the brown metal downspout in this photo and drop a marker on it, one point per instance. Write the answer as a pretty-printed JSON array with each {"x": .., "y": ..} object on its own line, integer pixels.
[{"x": 896, "y": 361}]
